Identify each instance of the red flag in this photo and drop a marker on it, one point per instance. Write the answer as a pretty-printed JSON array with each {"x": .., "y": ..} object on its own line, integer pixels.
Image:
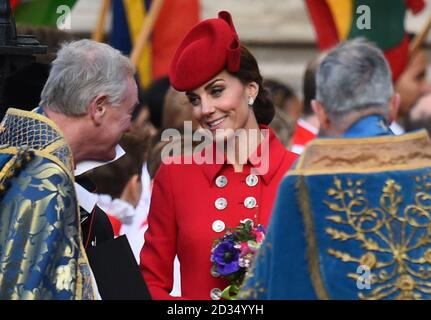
[
  {"x": 324, "y": 24},
  {"x": 13, "y": 4},
  {"x": 176, "y": 18}
]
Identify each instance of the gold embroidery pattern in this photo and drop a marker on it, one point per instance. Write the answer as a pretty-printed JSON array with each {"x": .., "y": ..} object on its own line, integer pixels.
[
  {"x": 394, "y": 238},
  {"x": 40, "y": 216},
  {"x": 36, "y": 132},
  {"x": 33, "y": 231},
  {"x": 252, "y": 288},
  {"x": 31, "y": 132}
]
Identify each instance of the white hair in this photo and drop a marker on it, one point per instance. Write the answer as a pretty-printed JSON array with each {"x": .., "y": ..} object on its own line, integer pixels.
[
  {"x": 353, "y": 76},
  {"x": 82, "y": 70}
]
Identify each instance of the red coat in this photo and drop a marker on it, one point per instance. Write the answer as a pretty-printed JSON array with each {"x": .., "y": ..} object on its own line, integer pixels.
[{"x": 183, "y": 218}]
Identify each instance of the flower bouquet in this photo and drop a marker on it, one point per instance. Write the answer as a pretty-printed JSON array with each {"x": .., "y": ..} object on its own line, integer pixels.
[{"x": 233, "y": 254}]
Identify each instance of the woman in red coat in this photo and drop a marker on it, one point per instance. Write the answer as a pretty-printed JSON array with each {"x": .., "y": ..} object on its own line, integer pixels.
[{"x": 193, "y": 204}]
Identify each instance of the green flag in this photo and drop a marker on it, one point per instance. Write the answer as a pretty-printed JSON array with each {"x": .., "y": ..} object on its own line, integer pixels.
[{"x": 43, "y": 12}]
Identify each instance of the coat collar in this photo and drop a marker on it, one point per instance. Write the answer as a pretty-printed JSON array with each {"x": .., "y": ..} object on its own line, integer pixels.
[
  {"x": 369, "y": 126},
  {"x": 275, "y": 154},
  {"x": 36, "y": 131}
]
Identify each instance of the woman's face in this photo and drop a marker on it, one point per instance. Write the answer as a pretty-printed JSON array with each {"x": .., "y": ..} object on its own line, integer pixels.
[{"x": 222, "y": 103}]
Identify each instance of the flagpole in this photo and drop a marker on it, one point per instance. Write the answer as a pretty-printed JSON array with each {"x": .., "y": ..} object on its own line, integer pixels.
[
  {"x": 146, "y": 30},
  {"x": 98, "y": 33},
  {"x": 419, "y": 39}
]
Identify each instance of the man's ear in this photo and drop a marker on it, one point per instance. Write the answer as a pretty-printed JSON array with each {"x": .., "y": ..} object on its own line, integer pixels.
[
  {"x": 97, "y": 108},
  {"x": 394, "y": 104},
  {"x": 321, "y": 114}
]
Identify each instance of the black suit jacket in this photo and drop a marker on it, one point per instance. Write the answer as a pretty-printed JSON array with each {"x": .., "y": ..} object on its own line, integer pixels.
[{"x": 112, "y": 261}]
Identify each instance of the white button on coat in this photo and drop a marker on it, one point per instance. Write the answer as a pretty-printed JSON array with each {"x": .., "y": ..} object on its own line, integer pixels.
[
  {"x": 220, "y": 203},
  {"x": 250, "y": 202},
  {"x": 221, "y": 181},
  {"x": 218, "y": 226},
  {"x": 215, "y": 294},
  {"x": 251, "y": 180}
]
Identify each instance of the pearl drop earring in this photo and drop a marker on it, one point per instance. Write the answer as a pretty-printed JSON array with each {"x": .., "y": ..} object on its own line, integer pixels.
[{"x": 250, "y": 101}]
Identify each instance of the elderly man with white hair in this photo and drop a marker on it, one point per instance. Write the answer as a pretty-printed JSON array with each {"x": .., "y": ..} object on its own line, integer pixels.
[
  {"x": 85, "y": 108},
  {"x": 351, "y": 220}
]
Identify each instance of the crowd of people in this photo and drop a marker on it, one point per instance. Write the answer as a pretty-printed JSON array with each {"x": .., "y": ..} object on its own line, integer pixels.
[{"x": 159, "y": 180}]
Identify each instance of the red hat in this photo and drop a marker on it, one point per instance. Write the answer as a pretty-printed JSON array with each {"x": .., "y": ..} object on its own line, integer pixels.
[{"x": 209, "y": 48}]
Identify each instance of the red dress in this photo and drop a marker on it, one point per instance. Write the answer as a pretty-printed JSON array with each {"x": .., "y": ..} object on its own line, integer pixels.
[{"x": 192, "y": 205}]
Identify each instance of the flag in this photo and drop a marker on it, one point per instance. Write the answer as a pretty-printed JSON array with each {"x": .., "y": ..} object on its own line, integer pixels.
[
  {"x": 13, "y": 4},
  {"x": 127, "y": 19},
  {"x": 339, "y": 20},
  {"x": 40, "y": 12},
  {"x": 176, "y": 18}
]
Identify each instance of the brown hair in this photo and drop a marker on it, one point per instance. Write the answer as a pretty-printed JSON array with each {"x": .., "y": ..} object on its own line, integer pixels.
[
  {"x": 248, "y": 72},
  {"x": 309, "y": 83}
]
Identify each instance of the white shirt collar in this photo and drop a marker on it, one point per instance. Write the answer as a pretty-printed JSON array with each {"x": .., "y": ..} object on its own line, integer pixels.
[
  {"x": 397, "y": 129},
  {"x": 86, "y": 199},
  {"x": 85, "y": 166}
]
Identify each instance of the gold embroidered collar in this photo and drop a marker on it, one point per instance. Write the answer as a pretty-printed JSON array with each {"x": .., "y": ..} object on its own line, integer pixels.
[{"x": 39, "y": 133}]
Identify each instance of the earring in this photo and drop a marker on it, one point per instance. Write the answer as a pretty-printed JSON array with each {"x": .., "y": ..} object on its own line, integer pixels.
[{"x": 250, "y": 101}]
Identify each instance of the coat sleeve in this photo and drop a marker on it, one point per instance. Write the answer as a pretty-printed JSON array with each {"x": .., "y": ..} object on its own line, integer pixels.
[
  {"x": 158, "y": 253},
  {"x": 39, "y": 235}
]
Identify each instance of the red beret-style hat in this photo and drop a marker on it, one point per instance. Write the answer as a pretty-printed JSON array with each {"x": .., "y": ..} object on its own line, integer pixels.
[{"x": 209, "y": 48}]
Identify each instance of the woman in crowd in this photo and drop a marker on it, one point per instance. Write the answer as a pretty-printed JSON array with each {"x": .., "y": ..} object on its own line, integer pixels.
[{"x": 194, "y": 203}]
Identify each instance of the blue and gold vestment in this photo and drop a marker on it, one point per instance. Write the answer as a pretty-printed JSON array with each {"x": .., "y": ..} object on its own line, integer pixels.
[
  {"x": 41, "y": 252},
  {"x": 352, "y": 220}
]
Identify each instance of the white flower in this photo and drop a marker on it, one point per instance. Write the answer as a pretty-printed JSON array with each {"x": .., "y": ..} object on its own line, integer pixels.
[{"x": 247, "y": 220}]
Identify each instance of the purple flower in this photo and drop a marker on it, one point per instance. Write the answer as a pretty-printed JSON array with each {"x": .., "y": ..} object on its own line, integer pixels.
[
  {"x": 261, "y": 228},
  {"x": 226, "y": 257}
]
